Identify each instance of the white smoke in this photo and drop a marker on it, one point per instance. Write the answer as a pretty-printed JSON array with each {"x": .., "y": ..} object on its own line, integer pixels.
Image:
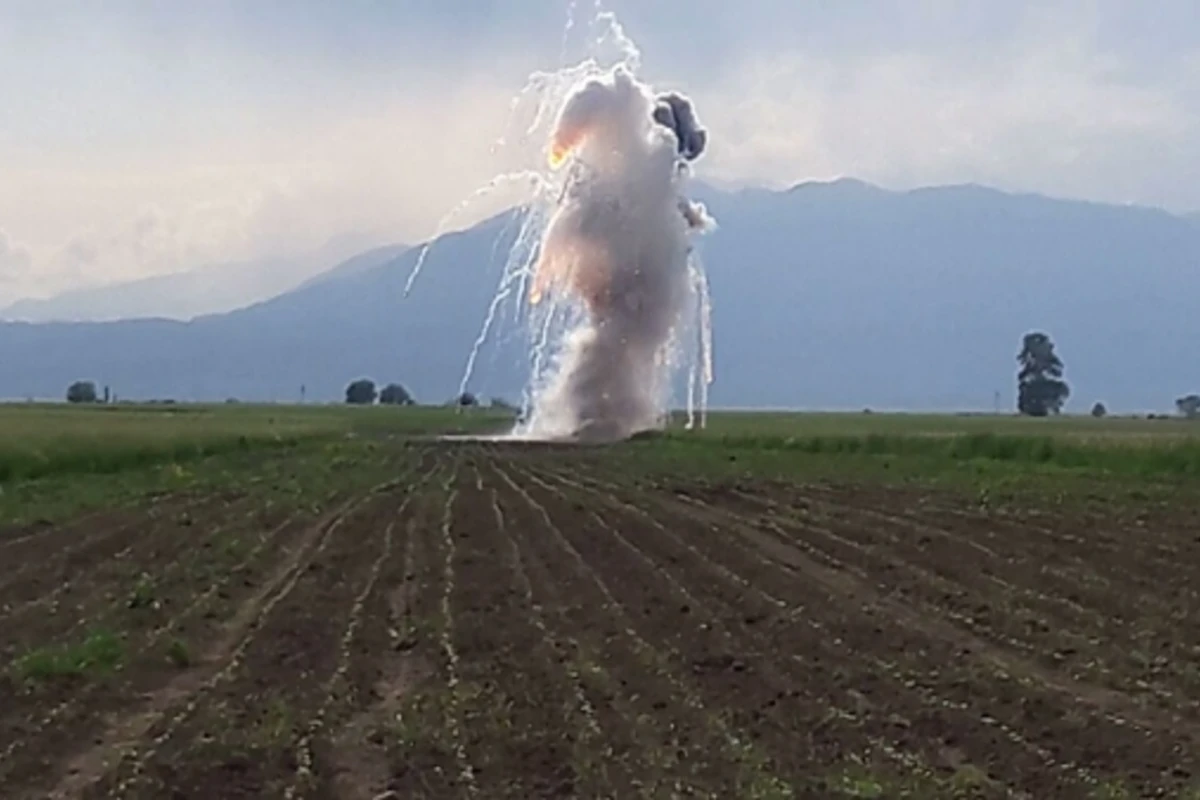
[
  {"x": 618, "y": 244},
  {"x": 615, "y": 302}
]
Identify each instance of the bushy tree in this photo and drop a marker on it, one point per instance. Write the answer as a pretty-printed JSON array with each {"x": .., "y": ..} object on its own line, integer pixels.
[
  {"x": 361, "y": 392},
  {"x": 1099, "y": 411},
  {"x": 466, "y": 400},
  {"x": 82, "y": 392},
  {"x": 1040, "y": 387},
  {"x": 395, "y": 395},
  {"x": 1189, "y": 406}
]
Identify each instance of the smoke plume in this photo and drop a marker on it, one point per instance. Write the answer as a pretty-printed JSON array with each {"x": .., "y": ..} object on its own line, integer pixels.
[{"x": 617, "y": 246}]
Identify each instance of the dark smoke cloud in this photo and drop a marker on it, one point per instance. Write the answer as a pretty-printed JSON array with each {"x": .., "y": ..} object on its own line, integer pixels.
[{"x": 674, "y": 111}]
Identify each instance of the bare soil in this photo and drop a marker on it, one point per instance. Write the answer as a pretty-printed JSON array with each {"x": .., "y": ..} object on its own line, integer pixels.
[{"x": 502, "y": 621}]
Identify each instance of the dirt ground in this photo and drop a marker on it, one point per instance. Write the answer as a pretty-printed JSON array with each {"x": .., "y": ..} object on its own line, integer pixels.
[{"x": 521, "y": 622}]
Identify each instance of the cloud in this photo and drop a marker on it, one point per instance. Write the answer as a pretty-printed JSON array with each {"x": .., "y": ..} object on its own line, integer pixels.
[
  {"x": 388, "y": 165},
  {"x": 15, "y": 259},
  {"x": 1060, "y": 117},
  {"x": 155, "y": 153}
]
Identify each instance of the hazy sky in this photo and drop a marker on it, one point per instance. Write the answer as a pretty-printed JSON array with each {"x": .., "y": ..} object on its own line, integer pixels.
[{"x": 143, "y": 136}]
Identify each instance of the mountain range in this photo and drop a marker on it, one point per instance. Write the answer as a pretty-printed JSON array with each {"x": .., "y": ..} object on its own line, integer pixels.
[
  {"x": 208, "y": 289},
  {"x": 836, "y": 295}
]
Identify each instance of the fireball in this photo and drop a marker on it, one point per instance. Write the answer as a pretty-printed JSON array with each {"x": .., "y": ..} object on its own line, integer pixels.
[{"x": 566, "y": 139}]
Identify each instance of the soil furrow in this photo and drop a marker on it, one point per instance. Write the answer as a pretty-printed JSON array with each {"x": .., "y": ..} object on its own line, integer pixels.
[
  {"x": 408, "y": 722},
  {"x": 316, "y": 766},
  {"x": 171, "y": 713},
  {"x": 831, "y": 694},
  {"x": 1084, "y": 726},
  {"x": 546, "y": 736},
  {"x": 44, "y": 727},
  {"x": 693, "y": 649},
  {"x": 38, "y": 581}
]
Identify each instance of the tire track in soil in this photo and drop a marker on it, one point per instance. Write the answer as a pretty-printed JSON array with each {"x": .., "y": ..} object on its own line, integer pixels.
[
  {"x": 1095, "y": 737},
  {"x": 843, "y": 721},
  {"x": 81, "y": 713},
  {"x": 117, "y": 765},
  {"x": 718, "y": 758}
]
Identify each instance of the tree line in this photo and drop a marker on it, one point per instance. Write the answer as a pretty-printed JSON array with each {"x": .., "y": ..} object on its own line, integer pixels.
[
  {"x": 363, "y": 392},
  {"x": 1041, "y": 387}
]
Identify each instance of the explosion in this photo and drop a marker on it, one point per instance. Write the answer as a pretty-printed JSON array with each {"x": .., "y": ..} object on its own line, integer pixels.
[
  {"x": 603, "y": 260},
  {"x": 617, "y": 243}
]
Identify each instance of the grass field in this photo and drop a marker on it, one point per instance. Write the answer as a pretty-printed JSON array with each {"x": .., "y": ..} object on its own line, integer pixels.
[{"x": 327, "y": 602}]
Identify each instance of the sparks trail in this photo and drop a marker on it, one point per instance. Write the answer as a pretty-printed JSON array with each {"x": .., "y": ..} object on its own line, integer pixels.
[{"x": 602, "y": 265}]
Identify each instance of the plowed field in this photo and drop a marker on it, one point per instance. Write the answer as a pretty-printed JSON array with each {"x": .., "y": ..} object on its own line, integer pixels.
[{"x": 482, "y": 620}]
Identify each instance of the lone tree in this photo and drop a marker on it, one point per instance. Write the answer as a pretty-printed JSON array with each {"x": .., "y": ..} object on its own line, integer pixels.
[
  {"x": 466, "y": 400},
  {"x": 82, "y": 392},
  {"x": 395, "y": 395},
  {"x": 1099, "y": 411},
  {"x": 1189, "y": 406},
  {"x": 361, "y": 392},
  {"x": 1040, "y": 388}
]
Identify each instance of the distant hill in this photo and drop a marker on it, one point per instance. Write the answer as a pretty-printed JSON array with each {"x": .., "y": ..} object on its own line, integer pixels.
[
  {"x": 356, "y": 264},
  {"x": 205, "y": 290},
  {"x": 828, "y": 295}
]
